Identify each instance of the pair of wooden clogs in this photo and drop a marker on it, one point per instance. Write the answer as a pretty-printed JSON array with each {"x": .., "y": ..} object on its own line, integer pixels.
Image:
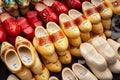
[
  {"x": 100, "y": 57},
  {"x": 78, "y": 72},
  {"x": 49, "y": 41},
  {"x": 24, "y": 54}
]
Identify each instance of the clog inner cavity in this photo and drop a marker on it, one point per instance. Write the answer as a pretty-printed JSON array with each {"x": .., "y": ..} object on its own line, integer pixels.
[
  {"x": 4, "y": 16},
  {"x": 52, "y": 28},
  {"x": 12, "y": 60},
  {"x": 97, "y": 2},
  {"x": 48, "y": 2},
  {"x": 80, "y": 70},
  {"x": 65, "y": 18},
  {"x": 40, "y": 32},
  {"x": 25, "y": 55},
  {"x": 119, "y": 50},
  {"x": 40, "y": 7},
  {"x": 74, "y": 14},
  {"x": 68, "y": 75},
  {"x": 87, "y": 5}
]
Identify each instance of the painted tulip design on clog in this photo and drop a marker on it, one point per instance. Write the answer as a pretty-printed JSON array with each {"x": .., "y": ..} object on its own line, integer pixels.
[
  {"x": 67, "y": 25},
  {"x": 90, "y": 12},
  {"x": 80, "y": 19},
  {"x": 114, "y": 5},
  {"x": 103, "y": 8},
  {"x": 59, "y": 39}
]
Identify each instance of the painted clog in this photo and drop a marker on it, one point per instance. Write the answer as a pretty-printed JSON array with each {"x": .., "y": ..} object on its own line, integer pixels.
[
  {"x": 103, "y": 8},
  {"x": 10, "y": 57},
  {"x": 90, "y": 12},
  {"x": 80, "y": 19},
  {"x": 56, "y": 6},
  {"x": 53, "y": 67},
  {"x": 46, "y": 13},
  {"x": 67, "y": 25},
  {"x": 66, "y": 57},
  {"x": 59, "y": 39},
  {"x": 114, "y": 5}
]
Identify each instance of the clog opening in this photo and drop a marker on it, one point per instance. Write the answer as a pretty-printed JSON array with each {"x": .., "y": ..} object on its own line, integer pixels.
[
  {"x": 68, "y": 75},
  {"x": 4, "y": 16},
  {"x": 40, "y": 32},
  {"x": 40, "y": 6},
  {"x": 64, "y": 18},
  {"x": 97, "y": 2},
  {"x": 52, "y": 27},
  {"x": 80, "y": 71},
  {"x": 12, "y": 60},
  {"x": 74, "y": 13},
  {"x": 48, "y": 2},
  {"x": 25, "y": 55},
  {"x": 53, "y": 78},
  {"x": 87, "y": 5}
]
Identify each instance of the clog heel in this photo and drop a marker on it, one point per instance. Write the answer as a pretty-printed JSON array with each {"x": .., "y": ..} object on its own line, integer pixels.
[
  {"x": 96, "y": 62},
  {"x": 102, "y": 8},
  {"x": 67, "y": 25},
  {"x": 85, "y": 36},
  {"x": 75, "y": 51},
  {"x": 97, "y": 28},
  {"x": 67, "y": 74},
  {"x": 75, "y": 41},
  {"x": 12, "y": 77},
  {"x": 106, "y": 23},
  {"x": 90, "y": 12},
  {"x": 25, "y": 51},
  {"x": 65, "y": 57},
  {"x": 10, "y": 57},
  {"x": 116, "y": 46},
  {"x": 53, "y": 67},
  {"x": 80, "y": 19},
  {"x": 114, "y": 5},
  {"x": 24, "y": 74},
  {"x": 82, "y": 73},
  {"x": 45, "y": 74},
  {"x": 59, "y": 39}
]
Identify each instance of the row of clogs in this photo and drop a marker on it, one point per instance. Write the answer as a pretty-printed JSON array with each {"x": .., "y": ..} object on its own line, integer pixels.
[
  {"x": 102, "y": 57},
  {"x": 22, "y": 58}
]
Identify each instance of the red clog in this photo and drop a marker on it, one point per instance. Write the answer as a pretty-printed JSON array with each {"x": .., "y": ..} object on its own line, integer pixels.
[
  {"x": 2, "y": 33},
  {"x": 73, "y": 4},
  {"x": 10, "y": 25},
  {"x": 56, "y": 6},
  {"x": 33, "y": 19},
  {"x": 26, "y": 29},
  {"x": 46, "y": 13}
]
